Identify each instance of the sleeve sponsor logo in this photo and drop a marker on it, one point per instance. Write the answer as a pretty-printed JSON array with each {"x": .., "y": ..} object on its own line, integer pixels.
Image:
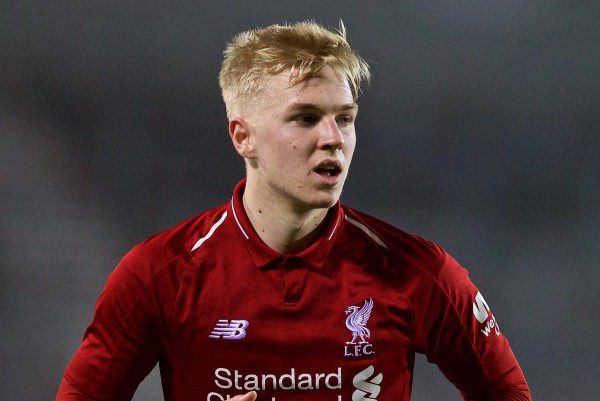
[{"x": 482, "y": 312}]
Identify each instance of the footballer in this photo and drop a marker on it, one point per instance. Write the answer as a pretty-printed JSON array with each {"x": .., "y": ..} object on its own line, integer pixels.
[{"x": 282, "y": 292}]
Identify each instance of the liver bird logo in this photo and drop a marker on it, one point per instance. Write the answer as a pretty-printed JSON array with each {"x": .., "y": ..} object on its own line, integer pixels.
[{"x": 357, "y": 320}]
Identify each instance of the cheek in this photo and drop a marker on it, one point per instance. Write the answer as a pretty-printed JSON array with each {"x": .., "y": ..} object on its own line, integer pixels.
[
  {"x": 349, "y": 145},
  {"x": 280, "y": 157},
  {"x": 280, "y": 149},
  {"x": 297, "y": 147}
]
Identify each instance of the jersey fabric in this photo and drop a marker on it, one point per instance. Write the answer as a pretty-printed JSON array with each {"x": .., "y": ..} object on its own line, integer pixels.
[{"x": 222, "y": 314}]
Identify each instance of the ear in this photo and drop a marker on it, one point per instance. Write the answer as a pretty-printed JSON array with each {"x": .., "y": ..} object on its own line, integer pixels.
[{"x": 240, "y": 134}]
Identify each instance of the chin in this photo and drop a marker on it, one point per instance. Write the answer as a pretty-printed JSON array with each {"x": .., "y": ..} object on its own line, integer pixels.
[
  {"x": 324, "y": 200},
  {"x": 323, "y": 205}
]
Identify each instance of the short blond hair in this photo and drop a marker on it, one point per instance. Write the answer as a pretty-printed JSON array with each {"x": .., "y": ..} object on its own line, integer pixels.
[{"x": 304, "y": 49}]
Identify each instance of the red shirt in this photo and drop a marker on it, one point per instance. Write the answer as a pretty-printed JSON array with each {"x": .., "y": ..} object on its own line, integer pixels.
[{"x": 223, "y": 314}]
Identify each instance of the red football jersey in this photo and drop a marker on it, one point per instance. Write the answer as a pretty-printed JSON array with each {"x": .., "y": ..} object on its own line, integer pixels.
[{"x": 223, "y": 314}]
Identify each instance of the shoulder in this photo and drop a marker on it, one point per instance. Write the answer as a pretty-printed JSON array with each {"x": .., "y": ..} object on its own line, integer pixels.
[
  {"x": 430, "y": 277},
  {"x": 422, "y": 264},
  {"x": 400, "y": 246},
  {"x": 171, "y": 246}
]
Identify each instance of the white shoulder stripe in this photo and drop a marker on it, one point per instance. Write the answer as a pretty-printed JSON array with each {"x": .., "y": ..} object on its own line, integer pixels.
[
  {"x": 210, "y": 232},
  {"x": 367, "y": 231}
]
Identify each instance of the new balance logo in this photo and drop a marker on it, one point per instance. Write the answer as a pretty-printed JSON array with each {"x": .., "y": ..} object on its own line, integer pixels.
[
  {"x": 230, "y": 330},
  {"x": 367, "y": 388}
]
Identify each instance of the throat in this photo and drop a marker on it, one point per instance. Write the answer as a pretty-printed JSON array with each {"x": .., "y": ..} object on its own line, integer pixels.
[{"x": 285, "y": 232}]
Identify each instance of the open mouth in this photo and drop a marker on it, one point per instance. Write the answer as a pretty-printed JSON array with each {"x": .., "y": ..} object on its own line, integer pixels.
[{"x": 329, "y": 169}]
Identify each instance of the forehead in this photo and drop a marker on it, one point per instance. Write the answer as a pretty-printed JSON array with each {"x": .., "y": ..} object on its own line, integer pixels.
[{"x": 328, "y": 87}]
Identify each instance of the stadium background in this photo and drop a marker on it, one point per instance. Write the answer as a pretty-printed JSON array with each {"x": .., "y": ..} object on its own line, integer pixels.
[{"x": 480, "y": 131}]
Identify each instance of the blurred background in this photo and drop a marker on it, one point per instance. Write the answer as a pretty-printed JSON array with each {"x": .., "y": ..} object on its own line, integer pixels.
[{"x": 480, "y": 131}]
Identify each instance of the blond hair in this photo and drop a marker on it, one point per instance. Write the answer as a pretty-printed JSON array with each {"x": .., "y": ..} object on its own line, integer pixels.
[{"x": 304, "y": 49}]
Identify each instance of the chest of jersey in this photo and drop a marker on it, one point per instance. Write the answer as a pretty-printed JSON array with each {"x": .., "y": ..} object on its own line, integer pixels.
[{"x": 290, "y": 331}]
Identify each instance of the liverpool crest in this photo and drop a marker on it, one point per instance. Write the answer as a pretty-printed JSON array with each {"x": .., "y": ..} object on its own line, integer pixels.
[{"x": 356, "y": 322}]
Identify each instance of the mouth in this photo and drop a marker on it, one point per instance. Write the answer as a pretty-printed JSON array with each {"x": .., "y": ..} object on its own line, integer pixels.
[{"x": 329, "y": 168}]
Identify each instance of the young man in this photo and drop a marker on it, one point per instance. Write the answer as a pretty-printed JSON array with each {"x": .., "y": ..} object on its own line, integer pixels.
[{"x": 283, "y": 293}]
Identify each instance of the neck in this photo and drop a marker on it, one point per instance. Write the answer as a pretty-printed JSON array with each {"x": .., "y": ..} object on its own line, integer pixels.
[{"x": 284, "y": 228}]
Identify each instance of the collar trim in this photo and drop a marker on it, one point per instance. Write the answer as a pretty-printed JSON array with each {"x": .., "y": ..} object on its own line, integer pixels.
[
  {"x": 337, "y": 222},
  {"x": 315, "y": 254},
  {"x": 237, "y": 221}
]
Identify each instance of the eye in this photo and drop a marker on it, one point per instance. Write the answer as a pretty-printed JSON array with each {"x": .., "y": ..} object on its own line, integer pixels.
[
  {"x": 344, "y": 120},
  {"x": 307, "y": 119}
]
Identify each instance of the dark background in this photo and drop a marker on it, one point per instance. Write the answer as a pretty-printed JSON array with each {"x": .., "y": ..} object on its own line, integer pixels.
[{"x": 480, "y": 131}]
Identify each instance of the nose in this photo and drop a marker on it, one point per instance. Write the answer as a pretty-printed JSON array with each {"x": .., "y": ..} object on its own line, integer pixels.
[{"x": 331, "y": 138}]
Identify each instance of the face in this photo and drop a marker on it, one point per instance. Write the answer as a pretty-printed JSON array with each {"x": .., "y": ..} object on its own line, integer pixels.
[{"x": 302, "y": 139}]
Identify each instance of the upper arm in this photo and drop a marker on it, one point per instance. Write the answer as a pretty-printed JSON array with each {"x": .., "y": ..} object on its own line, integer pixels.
[
  {"x": 68, "y": 392},
  {"x": 121, "y": 345},
  {"x": 456, "y": 329}
]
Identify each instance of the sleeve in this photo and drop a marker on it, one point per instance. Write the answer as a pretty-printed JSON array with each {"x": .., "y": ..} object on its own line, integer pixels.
[
  {"x": 455, "y": 329},
  {"x": 68, "y": 392},
  {"x": 120, "y": 347}
]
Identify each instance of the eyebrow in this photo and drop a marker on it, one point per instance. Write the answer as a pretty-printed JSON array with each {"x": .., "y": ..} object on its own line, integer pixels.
[{"x": 314, "y": 107}]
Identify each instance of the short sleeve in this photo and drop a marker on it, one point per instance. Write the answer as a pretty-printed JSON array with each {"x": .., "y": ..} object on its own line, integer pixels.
[
  {"x": 121, "y": 346},
  {"x": 456, "y": 329}
]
